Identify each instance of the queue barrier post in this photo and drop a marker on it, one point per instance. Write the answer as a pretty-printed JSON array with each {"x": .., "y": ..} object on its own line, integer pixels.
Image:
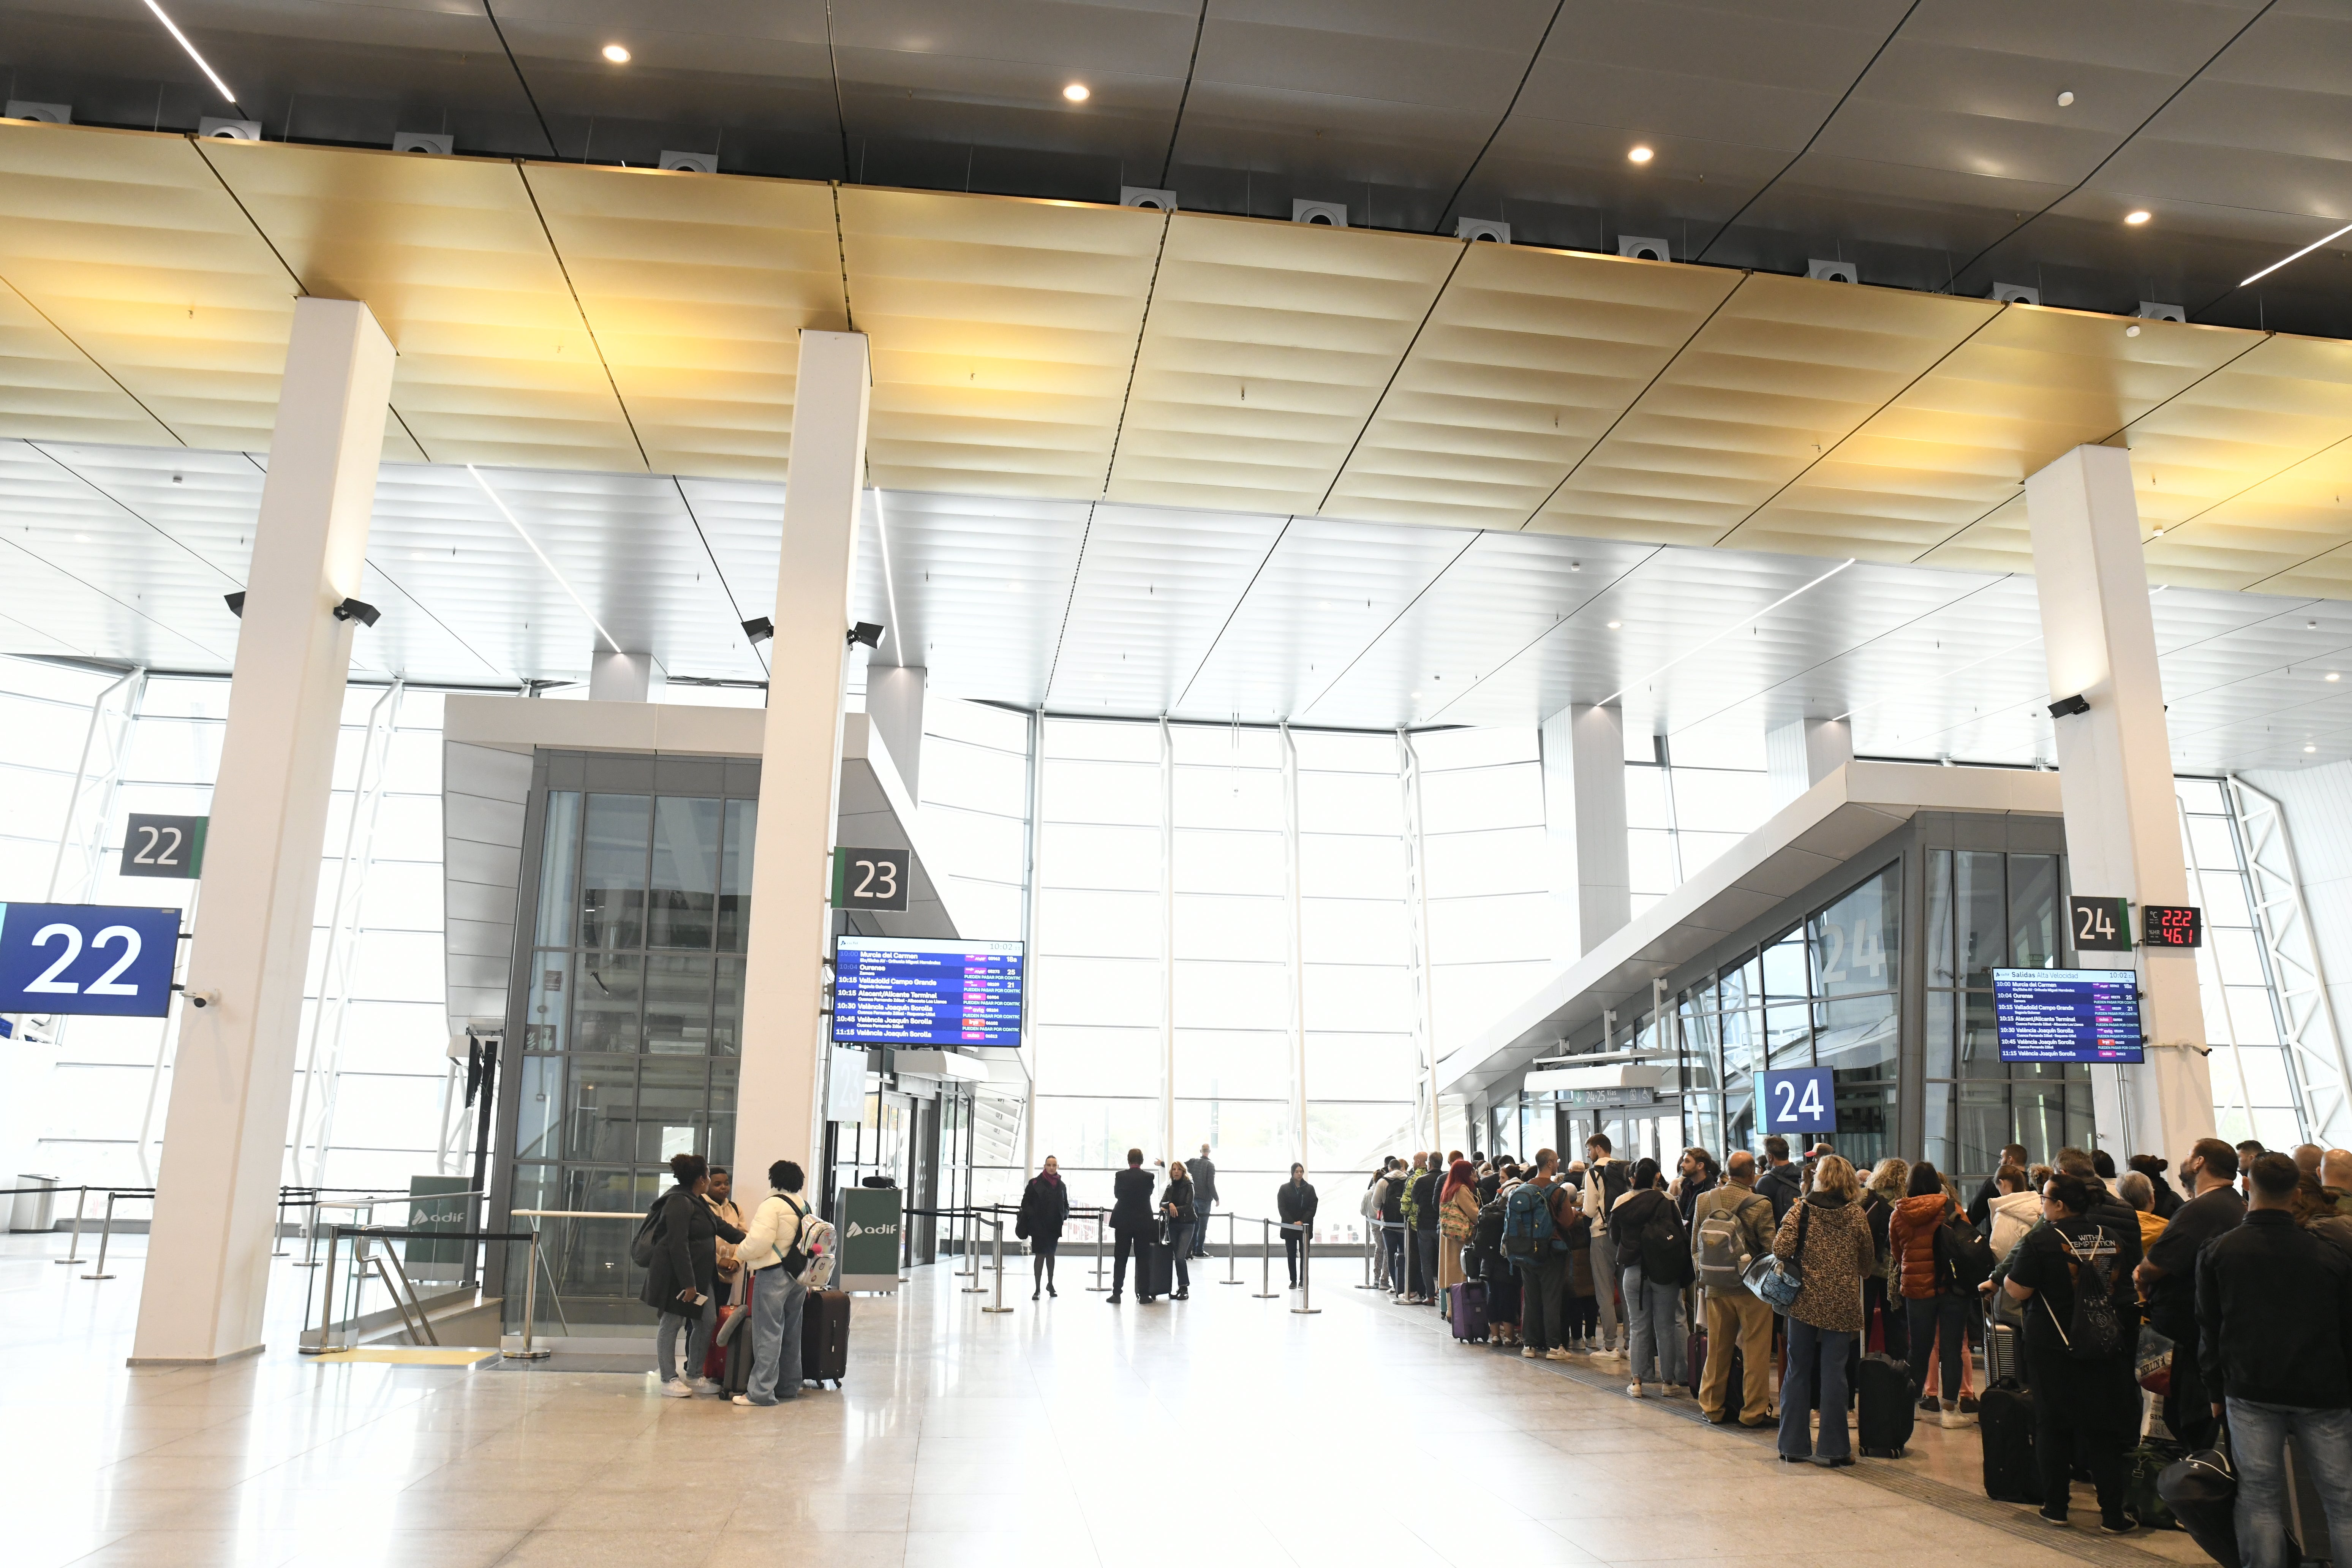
[
  {"x": 1102, "y": 1221},
  {"x": 996, "y": 1226},
  {"x": 1265, "y": 1291},
  {"x": 1307, "y": 1306},
  {"x": 1369, "y": 1244},
  {"x": 73, "y": 1251},
  {"x": 529, "y": 1305},
  {"x": 105, "y": 1235},
  {"x": 970, "y": 1218},
  {"x": 1233, "y": 1265}
]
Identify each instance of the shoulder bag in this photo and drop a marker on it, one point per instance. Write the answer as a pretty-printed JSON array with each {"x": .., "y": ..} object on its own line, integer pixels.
[{"x": 1777, "y": 1281}]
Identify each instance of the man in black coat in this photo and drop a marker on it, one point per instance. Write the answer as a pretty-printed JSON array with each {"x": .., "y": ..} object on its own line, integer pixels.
[
  {"x": 1293, "y": 1205},
  {"x": 1132, "y": 1221}
]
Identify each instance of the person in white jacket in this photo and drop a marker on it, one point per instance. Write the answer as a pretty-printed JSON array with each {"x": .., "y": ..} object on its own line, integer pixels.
[
  {"x": 2015, "y": 1209},
  {"x": 771, "y": 1258}
]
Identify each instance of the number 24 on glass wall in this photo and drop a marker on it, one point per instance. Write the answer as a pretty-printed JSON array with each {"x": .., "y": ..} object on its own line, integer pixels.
[{"x": 1868, "y": 951}]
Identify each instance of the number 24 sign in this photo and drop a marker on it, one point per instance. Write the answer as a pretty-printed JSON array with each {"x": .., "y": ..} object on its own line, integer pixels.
[
  {"x": 1798, "y": 1099},
  {"x": 88, "y": 958}
]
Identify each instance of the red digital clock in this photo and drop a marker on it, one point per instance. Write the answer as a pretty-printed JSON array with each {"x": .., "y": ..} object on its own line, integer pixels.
[{"x": 2171, "y": 925}]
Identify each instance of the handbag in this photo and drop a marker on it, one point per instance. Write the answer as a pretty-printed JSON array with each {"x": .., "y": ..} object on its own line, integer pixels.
[
  {"x": 1777, "y": 1281},
  {"x": 2202, "y": 1490},
  {"x": 2153, "y": 1365}
]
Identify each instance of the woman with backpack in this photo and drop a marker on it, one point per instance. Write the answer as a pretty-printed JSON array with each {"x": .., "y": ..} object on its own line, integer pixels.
[
  {"x": 682, "y": 1274},
  {"x": 1936, "y": 1307},
  {"x": 2082, "y": 1337},
  {"x": 1653, "y": 1250},
  {"x": 1825, "y": 1241},
  {"x": 1044, "y": 1209}
]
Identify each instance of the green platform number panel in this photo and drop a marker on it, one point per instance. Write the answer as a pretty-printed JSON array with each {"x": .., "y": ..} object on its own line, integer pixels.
[{"x": 171, "y": 846}]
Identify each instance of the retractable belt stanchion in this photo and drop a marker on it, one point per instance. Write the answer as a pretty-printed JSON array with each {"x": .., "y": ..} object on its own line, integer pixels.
[
  {"x": 996, "y": 1224},
  {"x": 1265, "y": 1290},
  {"x": 73, "y": 1250},
  {"x": 98, "y": 1270},
  {"x": 1232, "y": 1264},
  {"x": 970, "y": 1218},
  {"x": 1102, "y": 1222},
  {"x": 1307, "y": 1306},
  {"x": 1372, "y": 1241},
  {"x": 529, "y": 1305}
]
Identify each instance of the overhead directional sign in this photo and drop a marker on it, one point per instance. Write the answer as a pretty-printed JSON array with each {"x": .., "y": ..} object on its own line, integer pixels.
[
  {"x": 2101, "y": 925},
  {"x": 88, "y": 958},
  {"x": 870, "y": 878},
  {"x": 1796, "y": 1099},
  {"x": 163, "y": 846}
]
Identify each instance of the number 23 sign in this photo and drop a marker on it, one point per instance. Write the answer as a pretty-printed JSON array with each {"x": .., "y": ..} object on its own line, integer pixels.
[
  {"x": 1798, "y": 1099},
  {"x": 86, "y": 958}
]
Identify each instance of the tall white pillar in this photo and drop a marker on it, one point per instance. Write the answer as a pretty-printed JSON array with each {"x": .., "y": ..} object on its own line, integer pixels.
[
  {"x": 1802, "y": 753},
  {"x": 1584, "y": 824},
  {"x": 2114, "y": 779},
  {"x": 224, "y": 1135},
  {"x": 799, "y": 767}
]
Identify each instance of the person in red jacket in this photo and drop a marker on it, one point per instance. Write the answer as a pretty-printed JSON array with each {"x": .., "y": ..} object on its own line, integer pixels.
[{"x": 1937, "y": 1309}]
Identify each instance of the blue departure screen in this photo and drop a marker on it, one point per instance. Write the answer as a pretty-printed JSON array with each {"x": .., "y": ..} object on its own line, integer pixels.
[
  {"x": 906, "y": 990},
  {"x": 2068, "y": 1015}
]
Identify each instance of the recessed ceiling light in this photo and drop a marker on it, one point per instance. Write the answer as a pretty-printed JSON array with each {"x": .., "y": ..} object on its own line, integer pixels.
[
  {"x": 1615, "y": 626},
  {"x": 2311, "y": 748},
  {"x": 616, "y": 53},
  {"x": 1640, "y": 155},
  {"x": 2137, "y": 216},
  {"x": 2311, "y": 625},
  {"x": 1076, "y": 92},
  {"x": 2131, "y": 332},
  {"x": 2065, "y": 100},
  {"x": 2334, "y": 675}
]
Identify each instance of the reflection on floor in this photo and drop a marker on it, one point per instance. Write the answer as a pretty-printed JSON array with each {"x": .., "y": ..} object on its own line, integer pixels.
[{"x": 1223, "y": 1429}]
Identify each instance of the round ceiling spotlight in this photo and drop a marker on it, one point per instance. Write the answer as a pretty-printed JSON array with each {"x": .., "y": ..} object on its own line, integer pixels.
[
  {"x": 2311, "y": 748},
  {"x": 1640, "y": 155},
  {"x": 2334, "y": 675},
  {"x": 2131, "y": 332},
  {"x": 2137, "y": 215},
  {"x": 616, "y": 53},
  {"x": 2065, "y": 100},
  {"x": 1077, "y": 92},
  {"x": 1615, "y": 626}
]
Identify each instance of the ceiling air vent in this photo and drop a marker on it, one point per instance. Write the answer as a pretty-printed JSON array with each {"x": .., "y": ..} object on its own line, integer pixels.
[
  {"x": 1484, "y": 229},
  {"x": 2157, "y": 311},
  {"x": 216, "y": 130},
  {"x": 1641, "y": 248},
  {"x": 690, "y": 162},
  {"x": 1145, "y": 197},
  {"x": 2015, "y": 294},
  {"x": 423, "y": 142},
  {"x": 47, "y": 113},
  {"x": 1834, "y": 271},
  {"x": 1327, "y": 214}
]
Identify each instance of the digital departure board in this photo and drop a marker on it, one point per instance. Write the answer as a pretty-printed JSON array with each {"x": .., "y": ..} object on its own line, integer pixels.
[
  {"x": 909, "y": 991},
  {"x": 2068, "y": 1015}
]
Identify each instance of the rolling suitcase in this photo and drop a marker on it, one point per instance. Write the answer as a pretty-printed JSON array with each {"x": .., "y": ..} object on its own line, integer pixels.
[
  {"x": 1155, "y": 1269},
  {"x": 824, "y": 1337},
  {"x": 2005, "y": 1423},
  {"x": 1884, "y": 1401},
  {"x": 1695, "y": 1358},
  {"x": 1466, "y": 1310}
]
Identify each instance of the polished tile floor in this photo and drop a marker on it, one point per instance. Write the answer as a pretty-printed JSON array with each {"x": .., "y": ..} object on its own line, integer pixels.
[{"x": 1222, "y": 1430}]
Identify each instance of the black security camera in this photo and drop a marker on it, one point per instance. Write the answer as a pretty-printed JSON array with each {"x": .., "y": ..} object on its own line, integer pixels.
[
  {"x": 866, "y": 632},
  {"x": 758, "y": 629},
  {"x": 236, "y": 602},
  {"x": 2067, "y": 706},
  {"x": 357, "y": 610}
]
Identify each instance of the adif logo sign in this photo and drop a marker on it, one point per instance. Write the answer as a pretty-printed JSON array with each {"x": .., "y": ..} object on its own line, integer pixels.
[{"x": 857, "y": 1230}]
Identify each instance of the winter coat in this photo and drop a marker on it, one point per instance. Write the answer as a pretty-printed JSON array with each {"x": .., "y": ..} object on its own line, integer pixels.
[
  {"x": 1044, "y": 1209},
  {"x": 2012, "y": 1215},
  {"x": 1665, "y": 1261},
  {"x": 1838, "y": 1253},
  {"x": 686, "y": 1252},
  {"x": 1176, "y": 1203},
  {"x": 1911, "y": 1237},
  {"x": 1130, "y": 1193}
]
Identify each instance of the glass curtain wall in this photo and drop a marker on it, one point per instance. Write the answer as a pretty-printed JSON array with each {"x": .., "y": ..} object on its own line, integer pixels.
[
  {"x": 2256, "y": 1091},
  {"x": 1686, "y": 804}
]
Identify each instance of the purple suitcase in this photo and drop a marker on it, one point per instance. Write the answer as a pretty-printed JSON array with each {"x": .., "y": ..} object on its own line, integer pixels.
[{"x": 1465, "y": 1308}]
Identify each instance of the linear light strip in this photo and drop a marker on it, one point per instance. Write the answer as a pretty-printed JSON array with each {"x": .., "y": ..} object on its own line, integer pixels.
[
  {"x": 890, "y": 587},
  {"x": 1726, "y": 631},
  {"x": 2258, "y": 277},
  {"x": 174, "y": 28},
  {"x": 611, "y": 641}
]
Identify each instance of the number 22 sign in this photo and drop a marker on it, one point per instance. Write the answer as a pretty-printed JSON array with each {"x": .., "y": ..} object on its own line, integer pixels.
[
  {"x": 88, "y": 958},
  {"x": 1796, "y": 1099}
]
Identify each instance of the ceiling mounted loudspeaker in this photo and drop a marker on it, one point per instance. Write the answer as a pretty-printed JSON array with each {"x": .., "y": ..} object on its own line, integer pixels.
[
  {"x": 423, "y": 142},
  {"x": 1145, "y": 197},
  {"x": 2157, "y": 311},
  {"x": 1486, "y": 228},
  {"x": 1325, "y": 215},
  {"x": 1834, "y": 271},
  {"x": 1641, "y": 248},
  {"x": 216, "y": 130},
  {"x": 690, "y": 162},
  {"x": 2015, "y": 294},
  {"x": 47, "y": 113}
]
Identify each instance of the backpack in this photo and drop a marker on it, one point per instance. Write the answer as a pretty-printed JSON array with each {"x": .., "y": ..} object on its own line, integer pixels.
[
  {"x": 1963, "y": 1253},
  {"x": 1615, "y": 1182},
  {"x": 648, "y": 1237},
  {"x": 1526, "y": 1223},
  {"x": 2097, "y": 1328},
  {"x": 1487, "y": 1238},
  {"x": 796, "y": 1262},
  {"x": 1666, "y": 1257},
  {"x": 1723, "y": 1250}
]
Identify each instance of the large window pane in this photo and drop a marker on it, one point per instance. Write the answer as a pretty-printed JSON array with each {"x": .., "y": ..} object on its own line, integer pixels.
[
  {"x": 1983, "y": 908},
  {"x": 684, "y": 907},
  {"x": 605, "y": 1006},
  {"x": 1856, "y": 940},
  {"x": 559, "y": 864},
  {"x": 735, "y": 874},
  {"x": 613, "y": 871},
  {"x": 677, "y": 1006}
]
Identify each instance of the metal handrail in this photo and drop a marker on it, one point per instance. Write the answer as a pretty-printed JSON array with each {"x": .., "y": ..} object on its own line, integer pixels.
[{"x": 335, "y": 1232}]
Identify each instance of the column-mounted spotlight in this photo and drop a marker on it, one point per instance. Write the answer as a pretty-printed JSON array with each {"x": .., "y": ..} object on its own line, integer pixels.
[
  {"x": 236, "y": 602},
  {"x": 758, "y": 629},
  {"x": 2065, "y": 707},
  {"x": 357, "y": 610},
  {"x": 866, "y": 632}
]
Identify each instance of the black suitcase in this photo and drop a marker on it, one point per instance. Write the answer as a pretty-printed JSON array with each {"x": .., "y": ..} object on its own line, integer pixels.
[
  {"x": 1155, "y": 1269},
  {"x": 2005, "y": 1423},
  {"x": 824, "y": 1337},
  {"x": 1885, "y": 1400}
]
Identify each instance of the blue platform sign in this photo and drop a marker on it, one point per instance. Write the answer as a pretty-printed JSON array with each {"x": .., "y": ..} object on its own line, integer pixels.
[
  {"x": 1796, "y": 1099},
  {"x": 88, "y": 958}
]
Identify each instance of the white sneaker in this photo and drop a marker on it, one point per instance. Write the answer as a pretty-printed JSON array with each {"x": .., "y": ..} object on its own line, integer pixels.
[
  {"x": 676, "y": 1388},
  {"x": 1954, "y": 1419},
  {"x": 706, "y": 1385},
  {"x": 1633, "y": 1391},
  {"x": 1557, "y": 1353},
  {"x": 1531, "y": 1352}
]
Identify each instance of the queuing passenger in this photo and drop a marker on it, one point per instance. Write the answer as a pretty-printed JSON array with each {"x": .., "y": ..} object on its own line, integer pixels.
[
  {"x": 1545, "y": 1279},
  {"x": 1504, "y": 1304},
  {"x": 1695, "y": 1173},
  {"x": 2153, "y": 1166},
  {"x": 2249, "y": 1151},
  {"x": 2310, "y": 1202},
  {"x": 1829, "y": 1239},
  {"x": 2166, "y": 1277},
  {"x": 1368, "y": 1208},
  {"x": 2274, "y": 1315},
  {"x": 1044, "y": 1209},
  {"x": 1605, "y": 1180},
  {"x": 1782, "y": 1181},
  {"x": 1423, "y": 1199},
  {"x": 2087, "y": 1402},
  {"x": 1204, "y": 1199},
  {"x": 1131, "y": 1221},
  {"x": 1183, "y": 1219},
  {"x": 682, "y": 1282},
  {"x": 2307, "y": 1157},
  {"x": 2016, "y": 1209},
  {"x": 772, "y": 1255},
  {"x": 1457, "y": 1222},
  {"x": 2136, "y": 1190},
  {"x": 2038, "y": 1177},
  {"x": 1980, "y": 1206},
  {"x": 2335, "y": 1178},
  {"x": 1889, "y": 1184},
  {"x": 1937, "y": 1308},
  {"x": 1580, "y": 1293},
  {"x": 719, "y": 1196},
  {"x": 2103, "y": 1165},
  {"x": 1736, "y": 1316},
  {"x": 1653, "y": 1252},
  {"x": 1392, "y": 1233},
  {"x": 1293, "y": 1205}
]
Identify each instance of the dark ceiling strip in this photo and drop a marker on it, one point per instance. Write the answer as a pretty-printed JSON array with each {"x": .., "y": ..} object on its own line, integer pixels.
[
  {"x": 92, "y": 361},
  {"x": 412, "y": 435},
  {"x": 1403, "y": 611},
  {"x": 720, "y": 572},
  {"x": 1971, "y": 522},
  {"x": 1176, "y": 125},
  {"x": 1851, "y": 88},
  {"x": 1394, "y": 371},
  {"x": 1508, "y": 109},
  {"x": 1062, "y": 632},
  {"x": 1624, "y": 414},
  {"x": 840, "y": 254},
  {"x": 1135, "y": 362},
  {"x": 1552, "y": 630},
  {"x": 2187, "y": 82},
  {"x": 1239, "y": 600},
  {"x": 522, "y": 81},
  {"x": 840, "y": 112},
  {"x": 555, "y": 253}
]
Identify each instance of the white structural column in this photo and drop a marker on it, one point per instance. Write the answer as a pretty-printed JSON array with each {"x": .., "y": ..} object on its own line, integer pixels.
[
  {"x": 624, "y": 676},
  {"x": 225, "y": 1133},
  {"x": 1802, "y": 753},
  {"x": 800, "y": 764},
  {"x": 2115, "y": 779},
  {"x": 1584, "y": 824}
]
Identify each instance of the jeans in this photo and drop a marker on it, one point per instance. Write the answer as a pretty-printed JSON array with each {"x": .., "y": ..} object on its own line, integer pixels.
[
  {"x": 1658, "y": 1352},
  {"x": 696, "y": 1325},
  {"x": 2323, "y": 1441},
  {"x": 1180, "y": 1247},
  {"x": 776, "y": 1303},
  {"x": 1293, "y": 1251},
  {"x": 1201, "y": 1230},
  {"x": 1939, "y": 1325},
  {"x": 1546, "y": 1281},
  {"x": 1815, "y": 1353},
  {"x": 1604, "y": 1284}
]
